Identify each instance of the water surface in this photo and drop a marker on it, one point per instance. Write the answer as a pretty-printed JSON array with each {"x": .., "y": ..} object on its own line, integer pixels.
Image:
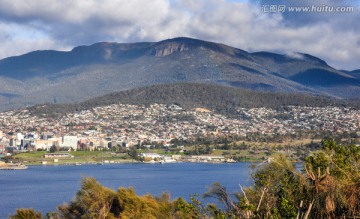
[{"x": 45, "y": 187}]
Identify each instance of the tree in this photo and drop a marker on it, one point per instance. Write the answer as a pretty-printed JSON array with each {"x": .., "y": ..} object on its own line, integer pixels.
[
  {"x": 95, "y": 201},
  {"x": 54, "y": 149},
  {"x": 92, "y": 201},
  {"x": 25, "y": 213},
  {"x": 219, "y": 192},
  {"x": 334, "y": 178},
  {"x": 133, "y": 153},
  {"x": 328, "y": 187}
]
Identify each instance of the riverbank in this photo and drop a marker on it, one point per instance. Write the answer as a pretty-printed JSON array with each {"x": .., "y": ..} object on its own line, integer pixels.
[
  {"x": 118, "y": 162},
  {"x": 38, "y": 158},
  {"x": 77, "y": 163},
  {"x": 11, "y": 166}
]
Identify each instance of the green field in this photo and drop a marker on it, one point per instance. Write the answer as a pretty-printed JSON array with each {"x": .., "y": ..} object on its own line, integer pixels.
[{"x": 80, "y": 157}]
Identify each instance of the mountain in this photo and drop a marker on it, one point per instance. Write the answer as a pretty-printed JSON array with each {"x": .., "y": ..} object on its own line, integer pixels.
[
  {"x": 102, "y": 68},
  {"x": 222, "y": 99},
  {"x": 355, "y": 73}
]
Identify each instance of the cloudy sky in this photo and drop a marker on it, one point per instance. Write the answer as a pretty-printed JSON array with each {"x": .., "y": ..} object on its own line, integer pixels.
[{"x": 28, "y": 25}]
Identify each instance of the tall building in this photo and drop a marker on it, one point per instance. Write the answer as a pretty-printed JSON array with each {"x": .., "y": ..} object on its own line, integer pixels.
[{"x": 69, "y": 141}]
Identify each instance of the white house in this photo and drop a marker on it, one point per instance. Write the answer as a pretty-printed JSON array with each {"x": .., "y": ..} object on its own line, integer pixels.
[{"x": 151, "y": 156}]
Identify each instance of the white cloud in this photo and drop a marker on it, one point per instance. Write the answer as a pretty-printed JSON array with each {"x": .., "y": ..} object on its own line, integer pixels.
[
  {"x": 51, "y": 24},
  {"x": 19, "y": 39},
  {"x": 295, "y": 55}
]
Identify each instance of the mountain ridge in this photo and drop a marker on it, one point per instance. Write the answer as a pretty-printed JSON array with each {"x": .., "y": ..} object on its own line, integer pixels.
[{"x": 89, "y": 71}]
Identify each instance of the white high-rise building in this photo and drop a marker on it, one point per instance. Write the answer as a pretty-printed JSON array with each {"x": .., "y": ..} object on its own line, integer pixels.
[
  {"x": 69, "y": 141},
  {"x": 19, "y": 137}
]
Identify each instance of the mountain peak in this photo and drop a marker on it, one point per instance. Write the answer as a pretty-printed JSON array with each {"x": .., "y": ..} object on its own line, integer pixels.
[
  {"x": 307, "y": 57},
  {"x": 180, "y": 44},
  {"x": 168, "y": 47}
]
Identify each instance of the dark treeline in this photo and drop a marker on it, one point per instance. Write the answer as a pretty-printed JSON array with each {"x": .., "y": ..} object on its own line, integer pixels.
[{"x": 222, "y": 99}]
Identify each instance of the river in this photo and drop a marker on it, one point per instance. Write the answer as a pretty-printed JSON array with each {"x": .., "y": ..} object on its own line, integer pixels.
[{"x": 45, "y": 187}]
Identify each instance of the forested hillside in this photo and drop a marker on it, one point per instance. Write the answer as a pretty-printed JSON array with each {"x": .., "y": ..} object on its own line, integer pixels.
[{"x": 190, "y": 95}]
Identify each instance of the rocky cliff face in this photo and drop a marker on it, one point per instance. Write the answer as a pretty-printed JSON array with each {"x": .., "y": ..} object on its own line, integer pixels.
[{"x": 168, "y": 49}]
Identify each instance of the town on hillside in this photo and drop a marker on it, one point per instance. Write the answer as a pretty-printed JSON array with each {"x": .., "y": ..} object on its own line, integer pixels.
[{"x": 125, "y": 126}]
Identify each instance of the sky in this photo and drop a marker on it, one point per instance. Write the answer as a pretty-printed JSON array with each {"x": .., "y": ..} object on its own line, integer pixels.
[{"x": 251, "y": 25}]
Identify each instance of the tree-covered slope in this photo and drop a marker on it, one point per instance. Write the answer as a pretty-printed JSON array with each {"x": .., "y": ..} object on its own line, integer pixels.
[{"x": 190, "y": 95}]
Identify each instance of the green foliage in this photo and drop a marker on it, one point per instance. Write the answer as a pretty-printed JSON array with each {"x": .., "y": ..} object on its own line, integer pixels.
[
  {"x": 52, "y": 215},
  {"x": 286, "y": 206},
  {"x": 53, "y": 149},
  {"x": 6, "y": 159},
  {"x": 275, "y": 183},
  {"x": 92, "y": 128},
  {"x": 133, "y": 153},
  {"x": 199, "y": 150},
  {"x": 334, "y": 179},
  {"x": 95, "y": 201},
  {"x": 328, "y": 187},
  {"x": 92, "y": 201},
  {"x": 184, "y": 210},
  {"x": 25, "y": 213}
]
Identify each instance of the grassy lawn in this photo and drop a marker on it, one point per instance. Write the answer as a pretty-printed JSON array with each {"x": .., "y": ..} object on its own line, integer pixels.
[
  {"x": 86, "y": 153},
  {"x": 36, "y": 158},
  {"x": 285, "y": 143},
  {"x": 31, "y": 155}
]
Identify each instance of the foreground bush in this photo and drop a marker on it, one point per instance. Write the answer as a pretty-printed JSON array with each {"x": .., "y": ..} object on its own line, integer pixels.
[
  {"x": 24, "y": 213},
  {"x": 327, "y": 187},
  {"x": 95, "y": 201}
]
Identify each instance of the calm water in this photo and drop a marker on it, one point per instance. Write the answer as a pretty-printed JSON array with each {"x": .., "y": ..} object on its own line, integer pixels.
[{"x": 45, "y": 187}]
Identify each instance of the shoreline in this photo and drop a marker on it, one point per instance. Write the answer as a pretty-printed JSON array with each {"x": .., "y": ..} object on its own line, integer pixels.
[
  {"x": 13, "y": 167},
  {"x": 133, "y": 162}
]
